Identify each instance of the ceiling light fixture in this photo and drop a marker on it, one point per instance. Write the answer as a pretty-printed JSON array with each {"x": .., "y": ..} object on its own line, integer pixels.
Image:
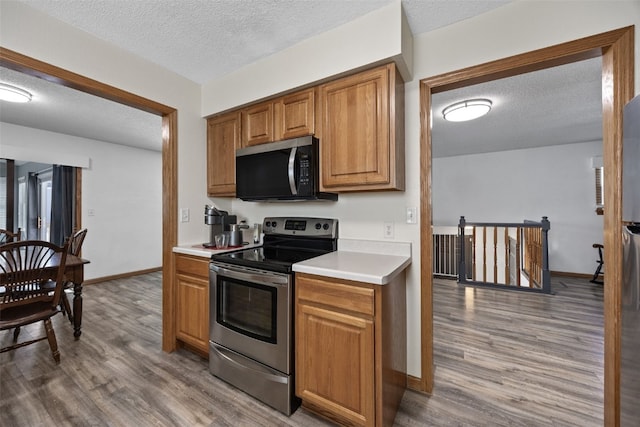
[
  {"x": 467, "y": 110},
  {"x": 13, "y": 94}
]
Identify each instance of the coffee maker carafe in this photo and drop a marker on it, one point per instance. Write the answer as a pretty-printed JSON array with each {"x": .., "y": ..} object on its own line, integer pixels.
[{"x": 218, "y": 221}]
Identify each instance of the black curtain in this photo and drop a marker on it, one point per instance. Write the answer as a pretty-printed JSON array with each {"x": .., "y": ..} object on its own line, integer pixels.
[
  {"x": 62, "y": 195},
  {"x": 32, "y": 206}
]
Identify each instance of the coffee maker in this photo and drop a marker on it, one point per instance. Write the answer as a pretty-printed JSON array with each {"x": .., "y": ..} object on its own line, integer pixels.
[{"x": 218, "y": 221}]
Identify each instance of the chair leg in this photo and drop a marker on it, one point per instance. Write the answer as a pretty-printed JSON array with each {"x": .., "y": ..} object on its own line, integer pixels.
[
  {"x": 66, "y": 307},
  {"x": 16, "y": 332},
  {"x": 51, "y": 337}
]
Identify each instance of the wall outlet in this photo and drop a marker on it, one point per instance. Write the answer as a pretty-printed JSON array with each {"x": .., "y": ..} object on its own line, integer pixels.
[
  {"x": 412, "y": 213},
  {"x": 388, "y": 230},
  {"x": 184, "y": 215},
  {"x": 91, "y": 212}
]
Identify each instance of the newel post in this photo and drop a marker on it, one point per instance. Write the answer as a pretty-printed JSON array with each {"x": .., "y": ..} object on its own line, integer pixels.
[
  {"x": 546, "y": 274},
  {"x": 462, "y": 268}
]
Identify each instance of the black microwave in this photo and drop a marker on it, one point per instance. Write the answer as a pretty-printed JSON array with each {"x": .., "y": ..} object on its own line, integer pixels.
[{"x": 280, "y": 171}]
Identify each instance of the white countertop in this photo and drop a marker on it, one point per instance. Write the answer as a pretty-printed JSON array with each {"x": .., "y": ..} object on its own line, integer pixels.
[
  {"x": 196, "y": 249},
  {"x": 368, "y": 261},
  {"x": 360, "y": 260}
]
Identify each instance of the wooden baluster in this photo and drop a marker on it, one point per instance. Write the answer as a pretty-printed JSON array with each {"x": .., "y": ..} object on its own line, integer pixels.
[
  {"x": 473, "y": 255},
  {"x": 484, "y": 254},
  {"x": 518, "y": 243},
  {"x": 507, "y": 277},
  {"x": 495, "y": 254}
]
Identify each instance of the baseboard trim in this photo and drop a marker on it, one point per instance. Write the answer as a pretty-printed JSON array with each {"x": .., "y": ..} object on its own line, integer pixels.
[
  {"x": 415, "y": 384},
  {"x": 121, "y": 276},
  {"x": 569, "y": 274}
]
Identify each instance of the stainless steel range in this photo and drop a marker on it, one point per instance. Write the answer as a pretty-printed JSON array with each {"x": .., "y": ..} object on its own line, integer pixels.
[{"x": 251, "y": 308}]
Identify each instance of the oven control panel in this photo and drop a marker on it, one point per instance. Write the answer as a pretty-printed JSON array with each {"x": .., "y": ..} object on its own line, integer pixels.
[{"x": 301, "y": 226}]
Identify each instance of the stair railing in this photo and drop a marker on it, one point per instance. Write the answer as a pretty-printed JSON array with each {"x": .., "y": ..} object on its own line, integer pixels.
[{"x": 505, "y": 255}]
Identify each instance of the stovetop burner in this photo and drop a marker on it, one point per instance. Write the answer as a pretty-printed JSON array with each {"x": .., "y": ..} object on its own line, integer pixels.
[{"x": 286, "y": 241}]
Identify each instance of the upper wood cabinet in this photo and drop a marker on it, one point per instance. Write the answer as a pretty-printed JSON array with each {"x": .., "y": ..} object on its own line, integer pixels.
[
  {"x": 362, "y": 131},
  {"x": 257, "y": 124},
  {"x": 223, "y": 138},
  {"x": 286, "y": 117},
  {"x": 295, "y": 115}
]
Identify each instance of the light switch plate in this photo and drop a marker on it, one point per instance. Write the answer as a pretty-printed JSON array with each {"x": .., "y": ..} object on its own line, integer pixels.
[
  {"x": 412, "y": 213},
  {"x": 184, "y": 215},
  {"x": 388, "y": 230}
]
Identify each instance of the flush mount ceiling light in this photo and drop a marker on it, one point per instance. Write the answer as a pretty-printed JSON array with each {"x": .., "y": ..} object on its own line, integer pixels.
[
  {"x": 467, "y": 110},
  {"x": 13, "y": 94}
]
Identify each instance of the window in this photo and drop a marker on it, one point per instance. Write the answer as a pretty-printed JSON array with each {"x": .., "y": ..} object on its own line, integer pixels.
[
  {"x": 44, "y": 205},
  {"x": 599, "y": 190}
]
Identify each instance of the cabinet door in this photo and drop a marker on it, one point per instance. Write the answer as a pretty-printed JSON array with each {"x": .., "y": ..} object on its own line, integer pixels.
[
  {"x": 223, "y": 138},
  {"x": 192, "y": 301},
  {"x": 257, "y": 124},
  {"x": 295, "y": 115},
  {"x": 362, "y": 146},
  {"x": 192, "y": 320},
  {"x": 335, "y": 364}
]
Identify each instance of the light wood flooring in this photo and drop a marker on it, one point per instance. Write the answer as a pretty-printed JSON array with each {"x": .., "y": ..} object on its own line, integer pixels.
[{"x": 502, "y": 359}]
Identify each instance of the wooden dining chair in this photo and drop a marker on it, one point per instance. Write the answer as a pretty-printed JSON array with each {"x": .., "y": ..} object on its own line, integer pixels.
[
  {"x": 7, "y": 236},
  {"x": 75, "y": 246},
  {"x": 24, "y": 267}
]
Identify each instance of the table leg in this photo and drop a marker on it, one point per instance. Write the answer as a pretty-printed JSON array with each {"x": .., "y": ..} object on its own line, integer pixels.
[{"x": 77, "y": 309}]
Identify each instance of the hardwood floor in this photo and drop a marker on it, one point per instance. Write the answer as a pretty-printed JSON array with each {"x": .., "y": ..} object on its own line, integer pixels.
[{"x": 502, "y": 359}]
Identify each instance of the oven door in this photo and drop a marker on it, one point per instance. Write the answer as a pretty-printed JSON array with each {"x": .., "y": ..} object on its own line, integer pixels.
[{"x": 251, "y": 313}]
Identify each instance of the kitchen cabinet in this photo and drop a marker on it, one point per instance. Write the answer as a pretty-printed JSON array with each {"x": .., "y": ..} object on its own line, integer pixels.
[
  {"x": 350, "y": 348},
  {"x": 295, "y": 115},
  {"x": 223, "y": 138},
  {"x": 289, "y": 116},
  {"x": 192, "y": 302},
  {"x": 362, "y": 131},
  {"x": 257, "y": 124}
]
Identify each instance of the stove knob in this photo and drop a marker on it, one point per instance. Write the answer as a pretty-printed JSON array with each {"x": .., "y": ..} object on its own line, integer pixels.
[
  {"x": 274, "y": 224},
  {"x": 325, "y": 226},
  {"x": 318, "y": 226},
  {"x": 267, "y": 224}
]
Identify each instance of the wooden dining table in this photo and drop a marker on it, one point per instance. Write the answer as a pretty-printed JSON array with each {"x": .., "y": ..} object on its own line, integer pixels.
[{"x": 74, "y": 273}]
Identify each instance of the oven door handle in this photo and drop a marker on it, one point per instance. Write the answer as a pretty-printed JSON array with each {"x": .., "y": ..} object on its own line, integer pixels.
[
  {"x": 263, "y": 277},
  {"x": 264, "y": 372}
]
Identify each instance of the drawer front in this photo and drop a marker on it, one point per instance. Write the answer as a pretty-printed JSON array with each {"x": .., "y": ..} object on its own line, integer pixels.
[
  {"x": 336, "y": 293},
  {"x": 194, "y": 266}
]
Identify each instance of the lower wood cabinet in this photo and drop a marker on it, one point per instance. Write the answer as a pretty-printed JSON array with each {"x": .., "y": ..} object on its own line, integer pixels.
[
  {"x": 351, "y": 348},
  {"x": 192, "y": 302}
]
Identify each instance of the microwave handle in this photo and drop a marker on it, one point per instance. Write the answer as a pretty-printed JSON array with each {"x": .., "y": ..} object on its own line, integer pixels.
[{"x": 291, "y": 171}]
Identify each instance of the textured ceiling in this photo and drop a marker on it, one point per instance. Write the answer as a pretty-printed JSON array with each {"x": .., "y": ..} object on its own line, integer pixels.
[
  {"x": 205, "y": 39},
  {"x": 560, "y": 105},
  {"x": 64, "y": 110}
]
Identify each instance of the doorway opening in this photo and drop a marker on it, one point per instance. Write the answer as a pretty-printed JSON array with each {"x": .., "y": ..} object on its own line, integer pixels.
[
  {"x": 34, "y": 67},
  {"x": 616, "y": 49}
]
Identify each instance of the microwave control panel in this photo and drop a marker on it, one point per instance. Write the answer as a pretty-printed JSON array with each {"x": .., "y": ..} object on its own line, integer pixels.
[{"x": 305, "y": 183}]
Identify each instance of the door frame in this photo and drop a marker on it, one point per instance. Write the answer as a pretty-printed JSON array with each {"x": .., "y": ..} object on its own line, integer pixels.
[
  {"x": 33, "y": 67},
  {"x": 617, "y": 51}
]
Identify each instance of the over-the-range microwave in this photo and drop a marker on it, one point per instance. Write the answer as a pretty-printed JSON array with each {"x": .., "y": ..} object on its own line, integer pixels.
[{"x": 280, "y": 171}]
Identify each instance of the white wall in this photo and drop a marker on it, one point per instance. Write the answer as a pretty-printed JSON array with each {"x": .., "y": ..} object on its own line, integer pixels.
[
  {"x": 514, "y": 28},
  {"x": 511, "y": 186},
  {"x": 123, "y": 188},
  {"x": 32, "y": 33}
]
